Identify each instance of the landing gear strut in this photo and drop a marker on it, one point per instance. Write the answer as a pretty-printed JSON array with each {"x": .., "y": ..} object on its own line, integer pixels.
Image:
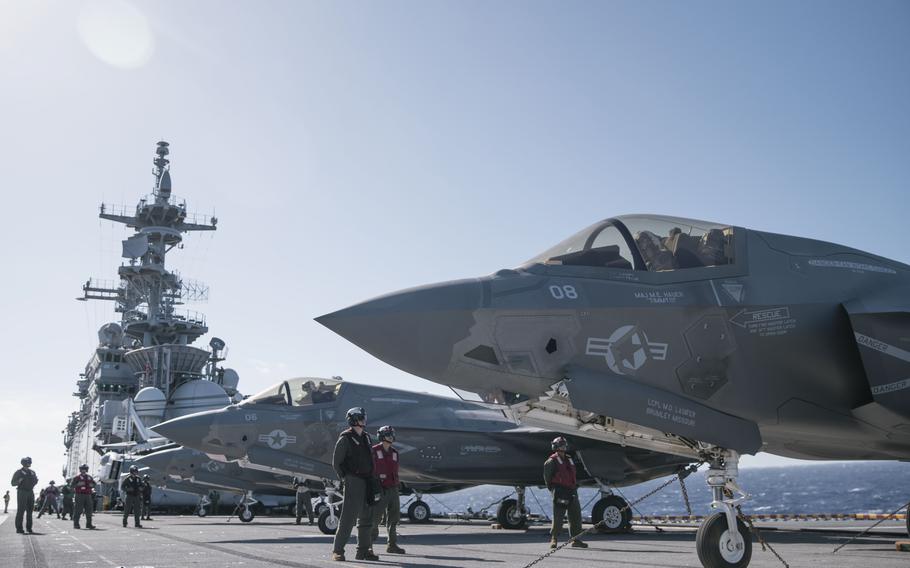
[
  {"x": 723, "y": 540},
  {"x": 331, "y": 508},
  {"x": 512, "y": 513},
  {"x": 201, "y": 510},
  {"x": 245, "y": 508},
  {"x": 613, "y": 510},
  {"x": 419, "y": 511}
]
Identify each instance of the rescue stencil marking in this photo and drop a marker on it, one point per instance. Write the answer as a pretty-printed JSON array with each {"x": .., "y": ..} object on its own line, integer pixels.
[
  {"x": 847, "y": 265},
  {"x": 626, "y": 350},
  {"x": 765, "y": 323},
  {"x": 671, "y": 412},
  {"x": 277, "y": 439}
]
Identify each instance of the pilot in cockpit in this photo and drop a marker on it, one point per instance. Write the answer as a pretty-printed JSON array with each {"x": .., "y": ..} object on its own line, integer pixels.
[{"x": 653, "y": 252}]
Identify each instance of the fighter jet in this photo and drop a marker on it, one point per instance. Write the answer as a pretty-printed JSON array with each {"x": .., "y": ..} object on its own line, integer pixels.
[
  {"x": 444, "y": 443},
  {"x": 702, "y": 339},
  {"x": 191, "y": 470}
]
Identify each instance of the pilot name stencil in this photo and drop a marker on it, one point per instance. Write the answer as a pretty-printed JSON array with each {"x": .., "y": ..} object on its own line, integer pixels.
[
  {"x": 659, "y": 296},
  {"x": 766, "y": 322},
  {"x": 478, "y": 449},
  {"x": 848, "y": 265},
  {"x": 277, "y": 439},
  {"x": 671, "y": 412},
  {"x": 626, "y": 350}
]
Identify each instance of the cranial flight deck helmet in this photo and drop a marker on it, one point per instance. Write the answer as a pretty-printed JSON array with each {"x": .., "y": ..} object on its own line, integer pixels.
[
  {"x": 386, "y": 434},
  {"x": 83, "y": 467},
  {"x": 559, "y": 443},
  {"x": 134, "y": 469},
  {"x": 355, "y": 415},
  {"x": 26, "y": 461}
]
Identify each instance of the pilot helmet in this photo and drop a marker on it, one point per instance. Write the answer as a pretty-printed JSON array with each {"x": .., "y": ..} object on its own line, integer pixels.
[
  {"x": 355, "y": 415},
  {"x": 134, "y": 469},
  {"x": 83, "y": 467},
  {"x": 146, "y": 476},
  {"x": 26, "y": 461},
  {"x": 386, "y": 434},
  {"x": 559, "y": 443}
]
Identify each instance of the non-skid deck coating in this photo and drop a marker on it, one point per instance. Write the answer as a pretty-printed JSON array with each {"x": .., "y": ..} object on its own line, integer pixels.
[{"x": 181, "y": 541}]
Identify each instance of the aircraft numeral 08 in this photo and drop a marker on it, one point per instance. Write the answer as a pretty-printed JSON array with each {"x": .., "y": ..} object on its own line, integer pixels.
[
  {"x": 251, "y": 417},
  {"x": 564, "y": 292}
]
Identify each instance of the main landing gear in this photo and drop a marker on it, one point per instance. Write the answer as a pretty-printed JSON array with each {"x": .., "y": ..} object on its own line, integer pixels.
[
  {"x": 723, "y": 540},
  {"x": 204, "y": 502},
  {"x": 613, "y": 510},
  {"x": 512, "y": 513}
]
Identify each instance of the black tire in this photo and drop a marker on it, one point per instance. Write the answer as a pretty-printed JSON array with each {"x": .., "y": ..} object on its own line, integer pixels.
[
  {"x": 201, "y": 512},
  {"x": 246, "y": 514},
  {"x": 327, "y": 524},
  {"x": 608, "y": 509},
  {"x": 710, "y": 546},
  {"x": 419, "y": 512},
  {"x": 320, "y": 507},
  {"x": 510, "y": 516}
]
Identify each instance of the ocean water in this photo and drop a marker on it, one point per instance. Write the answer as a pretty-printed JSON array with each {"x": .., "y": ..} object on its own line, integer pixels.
[{"x": 861, "y": 487}]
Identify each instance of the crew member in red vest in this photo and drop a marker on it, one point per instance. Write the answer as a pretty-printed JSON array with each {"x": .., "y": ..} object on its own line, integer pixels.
[
  {"x": 559, "y": 475},
  {"x": 385, "y": 468},
  {"x": 83, "y": 484}
]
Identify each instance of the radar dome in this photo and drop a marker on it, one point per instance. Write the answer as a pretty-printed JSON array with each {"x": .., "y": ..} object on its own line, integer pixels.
[
  {"x": 110, "y": 334},
  {"x": 230, "y": 380},
  {"x": 150, "y": 404},
  {"x": 196, "y": 396}
]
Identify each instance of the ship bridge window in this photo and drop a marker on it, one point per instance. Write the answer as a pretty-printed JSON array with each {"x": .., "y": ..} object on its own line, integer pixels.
[
  {"x": 601, "y": 245},
  {"x": 669, "y": 243}
]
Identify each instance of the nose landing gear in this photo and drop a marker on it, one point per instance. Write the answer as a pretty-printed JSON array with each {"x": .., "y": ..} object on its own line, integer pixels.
[
  {"x": 723, "y": 540},
  {"x": 245, "y": 508},
  {"x": 327, "y": 519}
]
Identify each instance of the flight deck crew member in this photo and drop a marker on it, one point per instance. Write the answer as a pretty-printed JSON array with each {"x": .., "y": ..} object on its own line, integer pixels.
[
  {"x": 83, "y": 485},
  {"x": 353, "y": 463},
  {"x": 304, "y": 500},
  {"x": 146, "y": 497},
  {"x": 385, "y": 468},
  {"x": 24, "y": 480},
  {"x": 50, "y": 499},
  {"x": 131, "y": 488},
  {"x": 559, "y": 476},
  {"x": 67, "y": 492},
  {"x": 6, "y": 503}
]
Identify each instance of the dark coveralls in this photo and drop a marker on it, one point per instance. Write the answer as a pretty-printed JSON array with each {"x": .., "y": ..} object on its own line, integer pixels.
[
  {"x": 83, "y": 484},
  {"x": 6, "y": 502},
  {"x": 67, "y": 493},
  {"x": 559, "y": 476},
  {"x": 353, "y": 463},
  {"x": 146, "y": 500},
  {"x": 385, "y": 464},
  {"x": 50, "y": 501},
  {"x": 24, "y": 480},
  {"x": 304, "y": 500},
  {"x": 131, "y": 488}
]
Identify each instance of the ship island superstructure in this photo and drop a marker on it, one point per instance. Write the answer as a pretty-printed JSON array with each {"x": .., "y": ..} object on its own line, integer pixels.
[{"x": 145, "y": 368}]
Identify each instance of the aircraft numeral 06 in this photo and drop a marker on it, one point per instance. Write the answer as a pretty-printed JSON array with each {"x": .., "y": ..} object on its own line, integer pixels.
[{"x": 564, "y": 292}]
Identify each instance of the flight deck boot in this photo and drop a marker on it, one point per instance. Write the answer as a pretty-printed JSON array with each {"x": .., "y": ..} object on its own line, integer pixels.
[
  {"x": 394, "y": 549},
  {"x": 579, "y": 544},
  {"x": 366, "y": 555},
  {"x": 553, "y": 543}
]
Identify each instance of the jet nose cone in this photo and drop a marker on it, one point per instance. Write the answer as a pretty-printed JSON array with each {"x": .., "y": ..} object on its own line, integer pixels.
[
  {"x": 188, "y": 430},
  {"x": 414, "y": 330}
]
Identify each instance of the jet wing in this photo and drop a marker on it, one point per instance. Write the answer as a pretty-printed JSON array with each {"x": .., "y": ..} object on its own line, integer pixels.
[
  {"x": 881, "y": 327},
  {"x": 632, "y": 401},
  {"x": 290, "y": 462}
]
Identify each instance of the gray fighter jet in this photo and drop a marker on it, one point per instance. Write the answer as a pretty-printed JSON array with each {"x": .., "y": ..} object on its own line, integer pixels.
[
  {"x": 696, "y": 338},
  {"x": 191, "y": 470},
  {"x": 444, "y": 443}
]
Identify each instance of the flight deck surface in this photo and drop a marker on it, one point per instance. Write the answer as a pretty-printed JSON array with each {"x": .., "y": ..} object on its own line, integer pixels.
[{"x": 181, "y": 541}]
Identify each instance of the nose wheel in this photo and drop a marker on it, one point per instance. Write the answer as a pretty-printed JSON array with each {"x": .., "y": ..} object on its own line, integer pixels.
[
  {"x": 328, "y": 520},
  {"x": 719, "y": 548},
  {"x": 723, "y": 540},
  {"x": 419, "y": 512}
]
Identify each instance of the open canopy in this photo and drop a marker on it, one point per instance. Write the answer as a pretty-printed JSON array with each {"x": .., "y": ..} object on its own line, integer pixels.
[{"x": 301, "y": 391}]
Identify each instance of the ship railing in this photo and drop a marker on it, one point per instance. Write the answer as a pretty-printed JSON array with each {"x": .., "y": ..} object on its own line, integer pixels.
[
  {"x": 188, "y": 316},
  {"x": 150, "y": 199}
]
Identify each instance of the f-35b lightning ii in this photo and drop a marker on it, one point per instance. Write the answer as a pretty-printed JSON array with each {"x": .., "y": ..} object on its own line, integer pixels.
[
  {"x": 443, "y": 443},
  {"x": 700, "y": 339}
]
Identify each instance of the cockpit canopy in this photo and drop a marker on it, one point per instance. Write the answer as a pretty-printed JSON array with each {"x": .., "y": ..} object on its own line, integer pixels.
[
  {"x": 302, "y": 391},
  {"x": 645, "y": 242}
]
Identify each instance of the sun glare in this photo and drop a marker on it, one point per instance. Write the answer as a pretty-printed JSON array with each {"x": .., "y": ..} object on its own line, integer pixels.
[{"x": 116, "y": 32}]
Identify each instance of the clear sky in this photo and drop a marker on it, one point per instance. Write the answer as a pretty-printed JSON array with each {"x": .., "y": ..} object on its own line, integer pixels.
[{"x": 354, "y": 148}]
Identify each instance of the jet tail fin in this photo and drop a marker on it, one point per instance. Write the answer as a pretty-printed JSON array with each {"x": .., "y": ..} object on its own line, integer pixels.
[{"x": 881, "y": 327}]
